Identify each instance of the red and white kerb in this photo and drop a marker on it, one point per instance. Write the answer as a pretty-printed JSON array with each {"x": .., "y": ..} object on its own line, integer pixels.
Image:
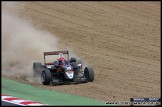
[{"x": 19, "y": 101}]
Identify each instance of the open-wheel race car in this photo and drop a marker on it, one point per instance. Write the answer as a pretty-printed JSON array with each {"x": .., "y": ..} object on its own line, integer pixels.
[{"x": 63, "y": 70}]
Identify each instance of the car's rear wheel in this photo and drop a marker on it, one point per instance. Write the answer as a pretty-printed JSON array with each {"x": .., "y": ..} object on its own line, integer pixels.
[
  {"x": 37, "y": 67},
  {"x": 75, "y": 65},
  {"x": 46, "y": 77},
  {"x": 89, "y": 73}
]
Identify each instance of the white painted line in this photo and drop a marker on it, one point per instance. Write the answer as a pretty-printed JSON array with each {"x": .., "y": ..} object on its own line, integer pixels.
[
  {"x": 4, "y": 97},
  {"x": 19, "y": 101}
]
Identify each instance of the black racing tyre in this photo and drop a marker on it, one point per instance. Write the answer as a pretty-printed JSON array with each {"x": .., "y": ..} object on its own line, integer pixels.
[
  {"x": 46, "y": 77},
  {"x": 89, "y": 73},
  {"x": 72, "y": 59},
  {"x": 37, "y": 67}
]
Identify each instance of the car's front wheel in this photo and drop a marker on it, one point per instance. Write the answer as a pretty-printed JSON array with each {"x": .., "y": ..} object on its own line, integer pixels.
[{"x": 89, "y": 73}]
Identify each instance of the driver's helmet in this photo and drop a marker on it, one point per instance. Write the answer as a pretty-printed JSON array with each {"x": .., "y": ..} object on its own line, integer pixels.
[{"x": 61, "y": 58}]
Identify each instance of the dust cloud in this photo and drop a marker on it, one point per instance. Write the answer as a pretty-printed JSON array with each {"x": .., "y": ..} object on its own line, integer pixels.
[{"x": 22, "y": 44}]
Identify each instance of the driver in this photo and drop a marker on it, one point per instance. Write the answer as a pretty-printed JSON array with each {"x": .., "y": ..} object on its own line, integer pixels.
[{"x": 61, "y": 60}]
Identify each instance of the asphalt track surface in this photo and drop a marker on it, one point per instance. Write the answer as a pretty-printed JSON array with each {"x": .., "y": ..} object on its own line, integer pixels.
[{"x": 4, "y": 103}]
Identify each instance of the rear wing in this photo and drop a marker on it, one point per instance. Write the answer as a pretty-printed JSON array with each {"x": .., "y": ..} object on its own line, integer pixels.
[{"x": 54, "y": 53}]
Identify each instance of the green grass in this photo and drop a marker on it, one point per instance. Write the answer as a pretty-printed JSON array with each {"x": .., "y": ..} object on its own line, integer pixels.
[{"x": 30, "y": 92}]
